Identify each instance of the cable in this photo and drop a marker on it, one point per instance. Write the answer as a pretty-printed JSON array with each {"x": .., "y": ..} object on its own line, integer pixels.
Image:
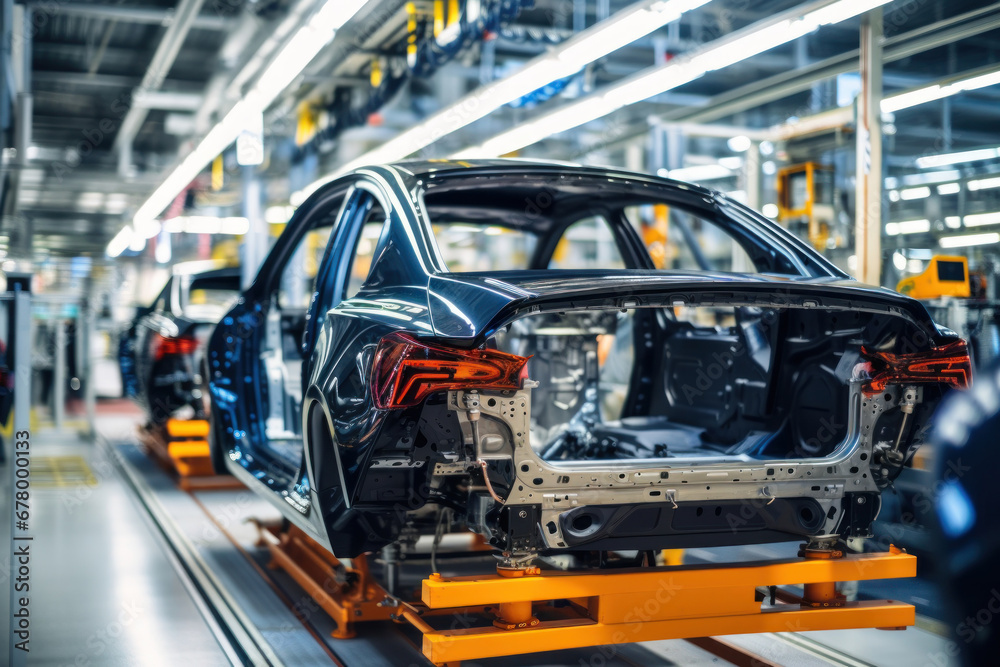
[{"x": 489, "y": 485}]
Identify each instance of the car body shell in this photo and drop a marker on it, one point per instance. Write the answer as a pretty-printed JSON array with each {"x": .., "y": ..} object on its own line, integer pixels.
[
  {"x": 329, "y": 487},
  {"x": 161, "y": 386}
]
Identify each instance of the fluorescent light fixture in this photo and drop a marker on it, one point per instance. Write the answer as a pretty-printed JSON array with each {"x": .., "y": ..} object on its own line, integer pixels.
[
  {"x": 121, "y": 241},
  {"x": 979, "y": 219},
  {"x": 969, "y": 240},
  {"x": 937, "y": 91},
  {"x": 207, "y": 224},
  {"x": 164, "y": 251},
  {"x": 984, "y": 183},
  {"x": 146, "y": 229},
  {"x": 907, "y": 227},
  {"x": 915, "y": 193},
  {"x": 739, "y": 143},
  {"x": 278, "y": 215},
  {"x": 943, "y": 159},
  {"x": 297, "y": 53},
  {"x": 923, "y": 178},
  {"x": 136, "y": 243},
  {"x": 949, "y": 189},
  {"x": 899, "y": 260},
  {"x": 567, "y": 59},
  {"x": 953, "y": 221},
  {"x": 736, "y": 47},
  {"x": 893, "y": 195},
  {"x": 698, "y": 173},
  {"x": 731, "y": 162}
]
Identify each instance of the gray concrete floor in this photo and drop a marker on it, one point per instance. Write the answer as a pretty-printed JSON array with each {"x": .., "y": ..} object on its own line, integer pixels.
[{"x": 102, "y": 590}]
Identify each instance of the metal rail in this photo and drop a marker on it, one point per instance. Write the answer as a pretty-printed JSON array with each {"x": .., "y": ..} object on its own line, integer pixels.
[{"x": 819, "y": 650}]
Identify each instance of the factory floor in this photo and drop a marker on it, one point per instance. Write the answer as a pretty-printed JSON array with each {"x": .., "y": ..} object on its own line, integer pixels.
[
  {"x": 107, "y": 588},
  {"x": 103, "y": 589}
]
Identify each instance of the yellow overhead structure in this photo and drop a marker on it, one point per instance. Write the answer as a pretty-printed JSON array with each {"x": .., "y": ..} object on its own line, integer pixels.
[
  {"x": 305, "y": 126},
  {"x": 438, "y": 17},
  {"x": 411, "y": 33},
  {"x": 218, "y": 173}
]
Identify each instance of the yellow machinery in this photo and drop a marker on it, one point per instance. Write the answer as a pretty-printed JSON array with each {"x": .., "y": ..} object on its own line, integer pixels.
[
  {"x": 944, "y": 276},
  {"x": 181, "y": 446},
  {"x": 528, "y": 610},
  {"x": 805, "y": 197}
]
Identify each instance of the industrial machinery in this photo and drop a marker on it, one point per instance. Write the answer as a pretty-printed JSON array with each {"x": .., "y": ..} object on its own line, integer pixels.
[{"x": 805, "y": 202}]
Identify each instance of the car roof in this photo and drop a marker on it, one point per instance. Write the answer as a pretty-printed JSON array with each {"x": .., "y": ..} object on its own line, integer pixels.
[{"x": 448, "y": 168}]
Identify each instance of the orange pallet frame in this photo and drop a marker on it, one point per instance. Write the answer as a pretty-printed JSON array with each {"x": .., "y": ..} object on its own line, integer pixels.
[
  {"x": 650, "y": 604},
  {"x": 552, "y": 610},
  {"x": 181, "y": 446},
  {"x": 347, "y": 593}
]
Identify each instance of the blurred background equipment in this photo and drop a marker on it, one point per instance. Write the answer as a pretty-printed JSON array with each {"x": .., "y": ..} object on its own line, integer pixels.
[{"x": 966, "y": 527}]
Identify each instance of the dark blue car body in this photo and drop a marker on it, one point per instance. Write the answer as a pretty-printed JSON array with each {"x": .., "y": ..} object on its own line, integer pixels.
[{"x": 352, "y": 474}]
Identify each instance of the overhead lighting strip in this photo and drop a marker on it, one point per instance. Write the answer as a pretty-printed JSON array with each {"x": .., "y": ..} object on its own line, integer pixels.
[
  {"x": 297, "y": 53},
  {"x": 944, "y": 159},
  {"x": 567, "y": 59},
  {"x": 739, "y": 46},
  {"x": 937, "y": 91},
  {"x": 967, "y": 240}
]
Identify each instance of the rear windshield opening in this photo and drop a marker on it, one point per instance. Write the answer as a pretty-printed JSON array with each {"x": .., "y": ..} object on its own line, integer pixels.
[{"x": 731, "y": 382}]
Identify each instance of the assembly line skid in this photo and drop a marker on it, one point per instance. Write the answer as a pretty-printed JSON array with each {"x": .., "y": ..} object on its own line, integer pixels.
[{"x": 529, "y": 610}]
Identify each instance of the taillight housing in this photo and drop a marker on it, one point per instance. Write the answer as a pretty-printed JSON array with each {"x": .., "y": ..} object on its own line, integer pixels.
[
  {"x": 172, "y": 346},
  {"x": 945, "y": 364},
  {"x": 405, "y": 370}
]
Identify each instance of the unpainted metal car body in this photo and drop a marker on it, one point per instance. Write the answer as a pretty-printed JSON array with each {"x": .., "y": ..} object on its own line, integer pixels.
[{"x": 697, "y": 376}]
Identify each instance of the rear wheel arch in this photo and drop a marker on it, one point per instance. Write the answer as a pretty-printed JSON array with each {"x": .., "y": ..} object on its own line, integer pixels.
[
  {"x": 318, "y": 443},
  {"x": 216, "y": 453}
]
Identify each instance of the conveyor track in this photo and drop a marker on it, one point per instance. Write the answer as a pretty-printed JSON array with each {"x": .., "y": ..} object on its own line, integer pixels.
[
  {"x": 239, "y": 639},
  {"x": 246, "y": 640}
]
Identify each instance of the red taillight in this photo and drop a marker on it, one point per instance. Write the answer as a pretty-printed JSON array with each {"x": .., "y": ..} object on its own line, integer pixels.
[
  {"x": 405, "y": 371},
  {"x": 169, "y": 346},
  {"x": 948, "y": 364}
]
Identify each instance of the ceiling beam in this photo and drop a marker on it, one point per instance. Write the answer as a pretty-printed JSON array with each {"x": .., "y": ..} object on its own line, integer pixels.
[{"x": 134, "y": 15}]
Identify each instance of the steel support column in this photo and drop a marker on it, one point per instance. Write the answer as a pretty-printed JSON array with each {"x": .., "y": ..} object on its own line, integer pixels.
[
  {"x": 255, "y": 241},
  {"x": 868, "y": 171},
  {"x": 59, "y": 375},
  {"x": 87, "y": 372},
  {"x": 750, "y": 180}
]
